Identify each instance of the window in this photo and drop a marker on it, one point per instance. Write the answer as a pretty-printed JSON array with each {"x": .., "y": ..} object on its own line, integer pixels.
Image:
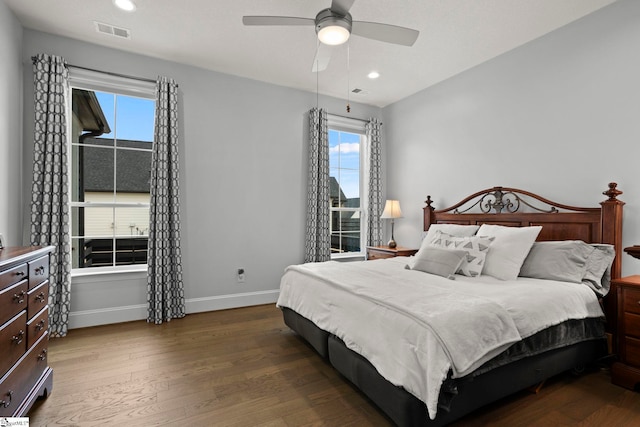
[
  {"x": 346, "y": 199},
  {"x": 111, "y": 145}
]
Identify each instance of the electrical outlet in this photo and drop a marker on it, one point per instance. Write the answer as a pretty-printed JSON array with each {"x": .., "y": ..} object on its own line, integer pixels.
[{"x": 241, "y": 275}]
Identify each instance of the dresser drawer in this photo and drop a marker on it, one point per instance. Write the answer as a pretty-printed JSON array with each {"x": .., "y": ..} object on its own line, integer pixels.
[
  {"x": 37, "y": 326},
  {"x": 38, "y": 271},
  {"x": 13, "y": 341},
  {"x": 13, "y": 300},
  {"x": 13, "y": 275},
  {"x": 631, "y": 325},
  {"x": 631, "y": 298},
  {"x": 632, "y": 352},
  {"x": 38, "y": 299},
  {"x": 16, "y": 385}
]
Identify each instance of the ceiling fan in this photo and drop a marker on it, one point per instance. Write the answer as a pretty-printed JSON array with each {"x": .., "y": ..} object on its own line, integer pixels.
[{"x": 334, "y": 26}]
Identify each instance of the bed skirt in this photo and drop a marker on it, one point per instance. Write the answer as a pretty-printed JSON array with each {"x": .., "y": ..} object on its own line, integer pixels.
[{"x": 458, "y": 397}]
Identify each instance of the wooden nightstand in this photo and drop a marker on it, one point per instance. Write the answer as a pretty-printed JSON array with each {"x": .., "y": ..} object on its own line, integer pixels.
[
  {"x": 626, "y": 371},
  {"x": 380, "y": 252}
]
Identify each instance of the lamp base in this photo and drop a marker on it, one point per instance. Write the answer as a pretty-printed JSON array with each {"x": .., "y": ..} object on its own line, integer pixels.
[{"x": 392, "y": 243}]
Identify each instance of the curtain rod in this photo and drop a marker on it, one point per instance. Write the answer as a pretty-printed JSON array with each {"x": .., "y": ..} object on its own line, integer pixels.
[
  {"x": 110, "y": 73},
  {"x": 352, "y": 118}
]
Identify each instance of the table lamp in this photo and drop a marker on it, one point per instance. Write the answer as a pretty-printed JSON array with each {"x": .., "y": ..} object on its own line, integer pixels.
[{"x": 391, "y": 210}]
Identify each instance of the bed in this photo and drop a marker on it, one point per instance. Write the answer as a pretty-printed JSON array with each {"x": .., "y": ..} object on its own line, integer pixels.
[{"x": 429, "y": 339}]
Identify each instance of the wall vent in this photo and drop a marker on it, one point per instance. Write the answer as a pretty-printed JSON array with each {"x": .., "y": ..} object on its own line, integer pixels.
[{"x": 112, "y": 30}]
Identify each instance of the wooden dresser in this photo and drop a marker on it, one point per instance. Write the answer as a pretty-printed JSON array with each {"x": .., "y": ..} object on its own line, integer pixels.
[
  {"x": 626, "y": 371},
  {"x": 379, "y": 252},
  {"x": 24, "y": 323}
]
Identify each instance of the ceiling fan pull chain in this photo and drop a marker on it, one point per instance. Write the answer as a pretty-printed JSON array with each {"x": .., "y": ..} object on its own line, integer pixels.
[{"x": 348, "y": 72}]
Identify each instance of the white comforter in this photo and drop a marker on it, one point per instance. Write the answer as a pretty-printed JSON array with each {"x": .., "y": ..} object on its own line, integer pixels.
[{"x": 413, "y": 326}]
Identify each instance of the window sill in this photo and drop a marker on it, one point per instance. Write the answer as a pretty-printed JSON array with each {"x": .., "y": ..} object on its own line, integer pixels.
[
  {"x": 102, "y": 271},
  {"x": 349, "y": 257}
]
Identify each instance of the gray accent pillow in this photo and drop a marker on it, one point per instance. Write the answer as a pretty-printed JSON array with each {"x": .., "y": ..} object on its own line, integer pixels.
[
  {"x": 564, "y": 260},
  {"x": 598, "y": 272},
  {"x": 439, "y": 261}
]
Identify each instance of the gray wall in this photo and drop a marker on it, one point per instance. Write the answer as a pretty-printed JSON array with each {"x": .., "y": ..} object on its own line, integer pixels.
[
  {"x": 243, "y": 177},
  {"x": 559, "y": 116},
  {"x": 10, "y": 127}
]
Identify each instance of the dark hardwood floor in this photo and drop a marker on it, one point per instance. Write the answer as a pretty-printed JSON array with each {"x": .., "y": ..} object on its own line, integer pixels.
[{"x": 244, "y": 367}]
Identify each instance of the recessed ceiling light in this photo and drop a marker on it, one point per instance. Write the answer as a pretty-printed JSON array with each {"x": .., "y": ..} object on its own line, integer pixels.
[
  {"x": 127, "y": 5},
  {"x": 373, "y": 75}
]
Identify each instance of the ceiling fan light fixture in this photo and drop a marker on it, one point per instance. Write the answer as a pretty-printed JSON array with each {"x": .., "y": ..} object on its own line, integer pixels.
[
  {"x": 333, "y": 35},
  {"x": 333, "y": 29}
]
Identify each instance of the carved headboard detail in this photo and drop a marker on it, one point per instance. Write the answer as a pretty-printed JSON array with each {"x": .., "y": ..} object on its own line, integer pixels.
[{"x": 518, "y": 208}]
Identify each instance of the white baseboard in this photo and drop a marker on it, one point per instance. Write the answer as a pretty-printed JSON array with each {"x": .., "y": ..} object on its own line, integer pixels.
[
  {"x": 105, "y": 316},
  {"x": 223, "y": 302}
]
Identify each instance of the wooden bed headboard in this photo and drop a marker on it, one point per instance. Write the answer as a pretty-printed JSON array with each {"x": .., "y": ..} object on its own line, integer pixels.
[{"x": 519, "y": 208}]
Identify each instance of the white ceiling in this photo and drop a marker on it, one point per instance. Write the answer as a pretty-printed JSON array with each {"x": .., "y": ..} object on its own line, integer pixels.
[{"x": 455, "y": 35}]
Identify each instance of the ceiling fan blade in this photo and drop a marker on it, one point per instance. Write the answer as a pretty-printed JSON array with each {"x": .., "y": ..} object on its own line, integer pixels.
[
  {"x": 323, "y": 56},
  {"x": 341, "y": 7},
  {"x": 277, "y": 20},
  {"x": 385, "y": 32}
]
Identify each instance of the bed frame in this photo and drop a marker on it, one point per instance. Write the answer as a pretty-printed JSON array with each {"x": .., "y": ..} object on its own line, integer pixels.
[{"x": 502, "y": 206}]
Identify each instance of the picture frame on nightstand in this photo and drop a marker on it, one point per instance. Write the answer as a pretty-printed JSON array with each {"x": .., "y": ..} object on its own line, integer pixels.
[{"x": 1, "y": 241}]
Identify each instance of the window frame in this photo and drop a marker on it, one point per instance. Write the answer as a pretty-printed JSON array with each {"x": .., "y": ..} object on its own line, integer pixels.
[
  {"x": 83, "y": 79},
  {"x": 355, "y": 126}
]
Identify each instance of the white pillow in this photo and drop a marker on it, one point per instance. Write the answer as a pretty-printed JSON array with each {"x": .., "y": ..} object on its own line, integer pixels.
[
  {"x": 476, "y": 248},
  {"x": 508, "y": 250}
]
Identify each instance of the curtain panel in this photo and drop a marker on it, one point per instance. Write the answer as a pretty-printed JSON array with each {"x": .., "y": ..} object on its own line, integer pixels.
[
  {"x": 375, "y": 202},
  {"x": 50, "y": 184},
  {"x": 317, "y": 236},
  {"x": 165, "y": 289}
]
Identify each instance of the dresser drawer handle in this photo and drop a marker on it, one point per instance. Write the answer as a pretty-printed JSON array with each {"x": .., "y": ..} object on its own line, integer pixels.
[
  {"x": 39, "y": 297},
  {"x": 19, "y": 298},
  {"x": 19, "y": 273},
  {"x": 7, "y": 403},
  {"x": 39, "y": 270},
  {"x": 43, "y": 355},
  {"x": 39, "y": 326},
  {"x": 17, "y": 338}
]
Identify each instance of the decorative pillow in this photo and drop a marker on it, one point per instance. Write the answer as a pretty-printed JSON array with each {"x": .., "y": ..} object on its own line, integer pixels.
[
  {"x": 452, "y": 229},
  {"x": 564, "y": 260},
  {"x": 598, "y": 268},
  {"x": 442, "y": 262},
  {"x": 508, "y": 250},
  {"x": 456, "y": 230},
  {"x": 476, "y": 247}
]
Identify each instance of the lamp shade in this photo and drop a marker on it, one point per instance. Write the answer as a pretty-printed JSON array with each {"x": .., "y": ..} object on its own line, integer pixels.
[{"x": 391, "y": 210}]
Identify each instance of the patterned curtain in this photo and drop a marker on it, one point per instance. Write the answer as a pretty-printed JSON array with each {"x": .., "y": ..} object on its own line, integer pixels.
[
  {"x": 165, "y": 290},
  {"x": 317, "y": 239},
  {"x": 50, "y": 186},
  {"x": 374, "y": 226}
]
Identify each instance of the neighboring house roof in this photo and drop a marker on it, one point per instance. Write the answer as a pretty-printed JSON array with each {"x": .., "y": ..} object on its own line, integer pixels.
[
  {"x": 335, "y": 191},
  {"x": 89, "y": 113},
  {"x": 133, "y": 167},
  {"x": 353, "y": 202}
]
